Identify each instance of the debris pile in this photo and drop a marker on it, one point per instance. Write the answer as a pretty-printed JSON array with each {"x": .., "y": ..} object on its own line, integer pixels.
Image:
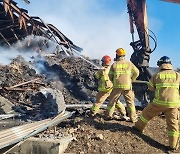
[
  {"x": 21, "y": 84},
  {"x": 14, "y": 75},
  {"x": 78, "y": 78},
  {"x": 67, "y": 80}
]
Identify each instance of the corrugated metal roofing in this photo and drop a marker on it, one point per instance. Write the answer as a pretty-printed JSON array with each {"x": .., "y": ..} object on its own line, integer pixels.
[{"x": 16, "y": 134}]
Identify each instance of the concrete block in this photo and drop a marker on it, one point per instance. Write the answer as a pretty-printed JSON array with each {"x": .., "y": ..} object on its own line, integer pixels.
[
  {"x": 42, "y": 146},
  {"x": 6, "y": 105}
]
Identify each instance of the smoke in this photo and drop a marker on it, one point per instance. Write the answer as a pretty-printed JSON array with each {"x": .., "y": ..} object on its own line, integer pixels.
[
  {"x": 101, "y": 26},
  {"x": 32, "y": 49},
  {"x": 8, "y": 54},
  {"x": 92, "y": 25}
]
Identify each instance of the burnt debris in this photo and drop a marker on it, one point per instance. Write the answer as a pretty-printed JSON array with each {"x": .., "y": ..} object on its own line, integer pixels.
[
  {"x": 40, "y": 87},
  {"x": 68, "y": 80},
  {"x": 16, "y": 24}
]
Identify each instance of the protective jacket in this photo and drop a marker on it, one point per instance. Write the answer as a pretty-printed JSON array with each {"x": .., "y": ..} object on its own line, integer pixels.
[
  {"x": 105, "y": 87},
  {"x": 122, "y": 73},
  {"x": 104, "y": 83},
  {"x": 166, "y": 85}
]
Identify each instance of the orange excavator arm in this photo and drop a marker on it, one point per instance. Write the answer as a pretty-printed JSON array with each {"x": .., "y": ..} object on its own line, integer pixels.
[
  {"x": 138, "y": 18},
  {"x": 141, "y": 55}
]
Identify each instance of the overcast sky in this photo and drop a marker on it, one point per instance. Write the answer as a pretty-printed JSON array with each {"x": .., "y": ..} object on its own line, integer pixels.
[{"x": 102, "y": 26}]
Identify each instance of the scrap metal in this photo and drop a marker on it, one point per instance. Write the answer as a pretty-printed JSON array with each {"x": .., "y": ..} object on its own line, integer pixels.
[
  {"x": 6, "y": 116},
  {"x": 16, "y": 134},
  {"x": 16, "y": 24}
]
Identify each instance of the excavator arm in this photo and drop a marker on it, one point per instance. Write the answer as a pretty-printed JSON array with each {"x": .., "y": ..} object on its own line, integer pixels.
[
  {"x": 141, "y": 55},
  {"x": 138, "y": 17}
]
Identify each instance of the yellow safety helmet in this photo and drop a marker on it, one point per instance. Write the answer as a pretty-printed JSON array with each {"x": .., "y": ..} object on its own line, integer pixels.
[{"x": 121, "y": 52}]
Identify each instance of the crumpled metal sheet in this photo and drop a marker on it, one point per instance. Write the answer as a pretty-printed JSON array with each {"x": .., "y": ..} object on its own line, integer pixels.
[
  {"x": 16, "y": 134},
  {"x": 16, "y": 24}
]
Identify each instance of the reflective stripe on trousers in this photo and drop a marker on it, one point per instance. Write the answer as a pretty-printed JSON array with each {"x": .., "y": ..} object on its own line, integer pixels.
[
  {"x": 143, "y": 119},
  {"x": 173, "y": 133}
]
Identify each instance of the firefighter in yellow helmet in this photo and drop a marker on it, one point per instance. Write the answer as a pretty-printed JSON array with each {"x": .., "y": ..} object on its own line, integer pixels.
[
  {"x": 166, "y": 85},
  {"x": 122, "y": 73},
  {"x": 105, "y": 87}
]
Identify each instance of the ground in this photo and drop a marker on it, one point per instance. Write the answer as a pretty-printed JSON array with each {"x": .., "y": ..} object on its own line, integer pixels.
[{"x": 96, "y": 135}]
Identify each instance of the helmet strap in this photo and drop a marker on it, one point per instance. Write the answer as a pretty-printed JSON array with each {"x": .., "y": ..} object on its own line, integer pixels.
[{"x": 120, "y": 57}]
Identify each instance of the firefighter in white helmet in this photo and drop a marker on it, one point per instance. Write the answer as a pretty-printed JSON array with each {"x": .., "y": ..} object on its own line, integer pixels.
[
  {"x": 166, "y": 85},
  {"x": 105, "y": 87},
  {"x": 122, "y": 73}
]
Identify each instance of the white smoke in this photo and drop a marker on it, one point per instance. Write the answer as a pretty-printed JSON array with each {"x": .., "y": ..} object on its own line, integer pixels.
[
  {"x": 89, "y": 24},
  {"x": 8, "y": 54},
  {"x": 93, "y": 25},
  {"x": 31, "y": 50},
  {"x": 98, "y": 26}
]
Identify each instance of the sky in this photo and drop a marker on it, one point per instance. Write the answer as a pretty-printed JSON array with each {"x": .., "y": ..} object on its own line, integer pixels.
[{"x": 102, "y": 26}]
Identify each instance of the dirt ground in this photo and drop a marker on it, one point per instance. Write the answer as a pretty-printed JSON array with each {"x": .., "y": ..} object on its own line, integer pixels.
[{"x": 96, "y": 135}]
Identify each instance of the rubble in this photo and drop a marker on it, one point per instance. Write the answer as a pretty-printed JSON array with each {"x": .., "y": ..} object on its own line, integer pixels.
[
  {"x": 6, "y": 105},
  {"x": 62, "y": 79},
  {"x": 53, "y": 102},
  {"x": 19, "y": 134}
]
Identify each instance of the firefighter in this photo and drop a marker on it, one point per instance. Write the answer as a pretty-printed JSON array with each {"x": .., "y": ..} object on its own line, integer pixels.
[
  {"x": 122, "y": 73},
  {"x": 105, "y": 87},
  {"x": 166, "y": 84}
]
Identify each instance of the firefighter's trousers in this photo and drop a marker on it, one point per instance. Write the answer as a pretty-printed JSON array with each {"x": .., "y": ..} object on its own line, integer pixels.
[
  {"x": 101, "y": 97},
  {"x": 172, "y": 119},
  {"x": 129, "y": 98}
]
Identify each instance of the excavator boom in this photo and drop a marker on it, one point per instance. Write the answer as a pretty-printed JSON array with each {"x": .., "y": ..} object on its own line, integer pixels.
[
  {"x": 138, "y": 17},
  {"x": 141, "y": 55}
]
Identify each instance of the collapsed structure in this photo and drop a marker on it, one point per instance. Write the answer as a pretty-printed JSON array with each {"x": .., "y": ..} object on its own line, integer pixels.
[
  {"x": 39, "y": 88},
  {"x": 16, "y": 24}
]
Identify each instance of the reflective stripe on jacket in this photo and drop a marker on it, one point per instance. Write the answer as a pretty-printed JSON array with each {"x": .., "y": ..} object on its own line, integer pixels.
[
  {"x": 166, "y": 85},
  {"x": 104, "y": 83},
  {"x": 123, "y": 73}
]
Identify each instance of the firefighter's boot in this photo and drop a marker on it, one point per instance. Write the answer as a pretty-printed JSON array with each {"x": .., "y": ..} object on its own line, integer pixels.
[
  {"x": 132, "y": 114},
  {"x": 173, "y": 142}
]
